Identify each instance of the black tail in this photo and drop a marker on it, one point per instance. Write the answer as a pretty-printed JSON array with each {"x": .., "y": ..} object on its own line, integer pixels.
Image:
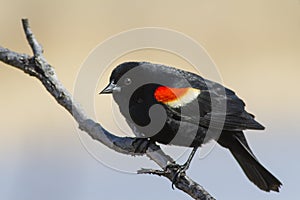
[{"x": 260, "y": 176}]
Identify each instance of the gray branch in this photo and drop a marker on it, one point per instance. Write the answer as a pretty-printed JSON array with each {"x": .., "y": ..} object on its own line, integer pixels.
[{"x": 38, "y": 67}]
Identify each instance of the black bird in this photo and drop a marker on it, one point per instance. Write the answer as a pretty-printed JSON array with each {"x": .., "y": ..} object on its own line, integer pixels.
[{"x": 191, "y": 111}]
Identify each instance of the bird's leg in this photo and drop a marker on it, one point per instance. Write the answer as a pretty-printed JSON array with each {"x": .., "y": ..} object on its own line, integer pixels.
[
  {"x": 182, "y": 168},
  {"x": 188, "y": 162}
]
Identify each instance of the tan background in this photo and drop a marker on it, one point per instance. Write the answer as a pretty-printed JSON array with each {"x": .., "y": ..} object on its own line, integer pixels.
[{"x": 255, "y": 45}]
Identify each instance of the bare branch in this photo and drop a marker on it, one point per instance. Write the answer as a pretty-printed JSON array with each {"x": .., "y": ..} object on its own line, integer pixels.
[
  {"x": 184, "y": 183},
  {"x": 35, "y": 46},
  {"x": 38, "y": 67}
]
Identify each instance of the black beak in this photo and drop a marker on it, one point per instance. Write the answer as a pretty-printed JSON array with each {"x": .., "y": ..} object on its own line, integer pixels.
[{"x": 108, "y": 89}]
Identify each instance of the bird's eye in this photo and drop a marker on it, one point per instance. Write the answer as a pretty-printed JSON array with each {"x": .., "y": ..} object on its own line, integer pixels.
[{"x": 127, "y": 81}]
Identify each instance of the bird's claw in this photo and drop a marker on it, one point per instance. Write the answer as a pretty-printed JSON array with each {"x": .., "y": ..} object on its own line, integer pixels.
[
  {"x": 180, "y": 170},
  {"x": 141, "y": 145}
]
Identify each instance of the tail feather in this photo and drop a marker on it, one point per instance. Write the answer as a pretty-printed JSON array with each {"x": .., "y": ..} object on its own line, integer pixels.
[{"x": 258, "y": 174}]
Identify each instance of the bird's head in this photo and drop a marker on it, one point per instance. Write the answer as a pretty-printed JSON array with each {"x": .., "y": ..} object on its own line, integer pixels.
[{"x": 118, "y": 78}]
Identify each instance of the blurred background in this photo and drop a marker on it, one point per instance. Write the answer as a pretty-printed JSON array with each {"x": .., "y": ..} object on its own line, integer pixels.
[{"x": 255, "y": 45}]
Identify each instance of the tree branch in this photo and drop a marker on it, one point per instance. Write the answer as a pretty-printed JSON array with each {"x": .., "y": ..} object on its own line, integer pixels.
[{"x": 38, "y": 67}]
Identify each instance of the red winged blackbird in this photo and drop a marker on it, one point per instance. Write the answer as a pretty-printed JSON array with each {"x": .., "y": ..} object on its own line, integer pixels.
[{"x": 195, "y": 110}]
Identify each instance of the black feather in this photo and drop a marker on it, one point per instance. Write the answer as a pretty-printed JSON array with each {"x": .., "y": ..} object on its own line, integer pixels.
[{"x": 258, "y": 174}]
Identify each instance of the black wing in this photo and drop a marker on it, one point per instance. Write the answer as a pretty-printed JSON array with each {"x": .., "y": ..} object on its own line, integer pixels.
[{"x": 216, "y": 105}]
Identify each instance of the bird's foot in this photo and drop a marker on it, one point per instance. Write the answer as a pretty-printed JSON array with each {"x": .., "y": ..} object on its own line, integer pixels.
[
  {"x": 179, "y": 171},
  {"x": 141, "y": 145}
]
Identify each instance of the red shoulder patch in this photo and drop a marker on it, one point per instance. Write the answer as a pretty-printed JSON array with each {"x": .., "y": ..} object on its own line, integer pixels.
[{"x": 165, "y": 94}]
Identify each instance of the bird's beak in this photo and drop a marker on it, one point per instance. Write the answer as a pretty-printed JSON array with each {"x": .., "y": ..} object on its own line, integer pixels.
[{"x": 108, "y": 89}]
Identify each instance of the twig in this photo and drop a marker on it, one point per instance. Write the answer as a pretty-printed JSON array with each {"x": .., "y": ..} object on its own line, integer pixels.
[
  {"x": 35, "y": 46},
  {"x": 38, "y": 67},
  {"x": 184, "y": 182}
]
